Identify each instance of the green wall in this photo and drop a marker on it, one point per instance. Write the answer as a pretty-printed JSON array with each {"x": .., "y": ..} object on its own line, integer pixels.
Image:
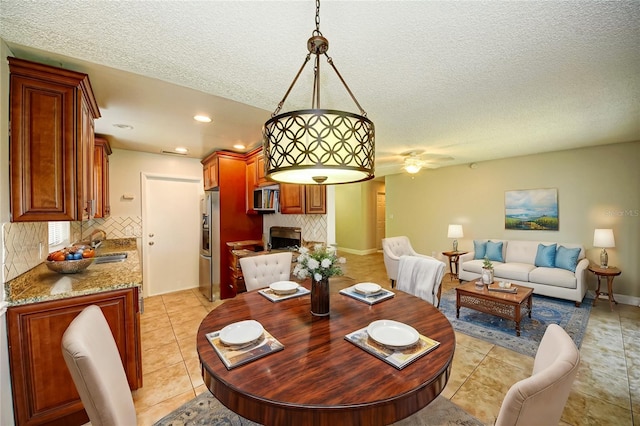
[{"x": 598, "y": 187}]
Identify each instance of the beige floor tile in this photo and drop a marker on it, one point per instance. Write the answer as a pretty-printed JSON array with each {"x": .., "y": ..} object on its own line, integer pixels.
[
  {"x": 472, "y": 343},
  {"x": 153, "y": 338},
  {"x": 608, "y": 385},
  {"x": 149, "y": 323},
  {"x": 478, "y": 400},
  {"x": 183, "y": 304},
  {"x": 189, "y": 313},
  {"x": 584, "y": 409},
  {"x": 187, "y": 329},
  {"x": 159, "y": 357},
  {"x": 153, "y": 306},
  {"x": 188, "y": 348},
  {"x": 465, "y": 360},
  {"x": 512, "y": 358},
  {"x": 161, "y": 385},
  {"x": 195, "y": 372},
  {"x": 152, "y": 414}
]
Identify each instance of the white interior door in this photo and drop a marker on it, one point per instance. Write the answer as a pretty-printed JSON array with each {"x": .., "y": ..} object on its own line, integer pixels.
[{"x": 170, "y": 233}]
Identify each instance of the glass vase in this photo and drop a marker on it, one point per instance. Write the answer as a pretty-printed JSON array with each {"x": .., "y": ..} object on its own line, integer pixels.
[{"x": 320, "y": 297}]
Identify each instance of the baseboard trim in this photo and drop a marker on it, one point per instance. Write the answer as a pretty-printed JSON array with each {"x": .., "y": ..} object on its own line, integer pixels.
[
  {"x": 358, "y": 252},
  {"x": 620, "y": 298}
]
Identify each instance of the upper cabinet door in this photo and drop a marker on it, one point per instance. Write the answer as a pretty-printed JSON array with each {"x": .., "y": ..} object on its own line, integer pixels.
[
  {"x": 291, "y": 198},
  {"x": 316, "y": 196},
  {"x": 101, "y": 153},
  {"x": 210, "y": 172},
  {"x": 51, "y": 143}
]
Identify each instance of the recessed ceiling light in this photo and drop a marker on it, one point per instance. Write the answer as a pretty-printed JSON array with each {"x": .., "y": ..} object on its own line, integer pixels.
[
  {"x": 202, "y": 118},
  {"x": 239, "y": 146},
  {"x": 123, "y": 126},
  {"x": 181, "y": 150}
]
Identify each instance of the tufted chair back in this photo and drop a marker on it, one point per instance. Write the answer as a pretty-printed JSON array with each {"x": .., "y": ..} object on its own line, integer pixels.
[
  {"x": 540, "y": 399},
  {"x": 392, "y": 249},
  {"x": 261, "y": 270}
]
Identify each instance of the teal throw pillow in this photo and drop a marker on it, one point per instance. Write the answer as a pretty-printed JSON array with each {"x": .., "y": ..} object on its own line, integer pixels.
[
  {"x": 480, "y": 248},
  {"x": 546, "y": 256},
  {"x": 494, "y": 251},
  {"x": 567, "y": 258}
]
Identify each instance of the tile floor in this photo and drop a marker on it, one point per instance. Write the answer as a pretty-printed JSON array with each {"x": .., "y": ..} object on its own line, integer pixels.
[{"x": 606, "y": 390}]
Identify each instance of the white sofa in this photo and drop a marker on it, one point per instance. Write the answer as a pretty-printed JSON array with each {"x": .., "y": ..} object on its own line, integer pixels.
[{"x": 519, "y": 267}]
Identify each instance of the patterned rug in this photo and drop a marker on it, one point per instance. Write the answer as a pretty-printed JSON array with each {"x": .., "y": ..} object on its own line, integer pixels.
[
  {"x": 207, "y": 410},
  {"x": 546, "y": 310}
]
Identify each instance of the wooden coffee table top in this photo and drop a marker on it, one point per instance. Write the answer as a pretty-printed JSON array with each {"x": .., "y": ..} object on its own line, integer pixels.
[{"x": 520, "y": 296}]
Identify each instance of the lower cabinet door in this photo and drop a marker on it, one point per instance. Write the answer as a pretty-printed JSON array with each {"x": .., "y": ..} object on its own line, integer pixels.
[{"x": 43, "y": 390}]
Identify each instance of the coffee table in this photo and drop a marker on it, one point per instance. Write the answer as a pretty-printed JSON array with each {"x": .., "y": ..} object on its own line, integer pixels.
[{"x": 503, "y": 305}]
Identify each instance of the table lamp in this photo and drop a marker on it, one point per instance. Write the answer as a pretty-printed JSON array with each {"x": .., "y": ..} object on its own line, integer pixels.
[
  {"x": 603, "y": 238},
  {"x": 455, "y": 231}
]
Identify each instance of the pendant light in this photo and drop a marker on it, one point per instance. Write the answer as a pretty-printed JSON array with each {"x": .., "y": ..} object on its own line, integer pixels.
[{"x": 317, "y": 145}]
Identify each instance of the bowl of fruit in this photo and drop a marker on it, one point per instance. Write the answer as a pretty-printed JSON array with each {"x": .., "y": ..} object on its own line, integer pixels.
[{"x": 71, "y": 260}]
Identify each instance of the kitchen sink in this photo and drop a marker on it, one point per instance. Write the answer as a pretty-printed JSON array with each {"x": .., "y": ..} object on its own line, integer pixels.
[{"x": 111, "y": 257}]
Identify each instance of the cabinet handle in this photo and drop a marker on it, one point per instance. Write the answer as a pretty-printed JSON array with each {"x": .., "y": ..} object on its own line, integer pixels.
[{"x": 150, "y": 243}]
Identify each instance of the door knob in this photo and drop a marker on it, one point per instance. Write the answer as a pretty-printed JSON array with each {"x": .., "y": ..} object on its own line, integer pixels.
[{"x": 150, "y": 243}]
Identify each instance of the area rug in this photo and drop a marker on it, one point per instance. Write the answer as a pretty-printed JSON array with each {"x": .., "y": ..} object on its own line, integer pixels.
[
  {"x": 501, "y": 332},
  {"x": 207, "y": 410}
]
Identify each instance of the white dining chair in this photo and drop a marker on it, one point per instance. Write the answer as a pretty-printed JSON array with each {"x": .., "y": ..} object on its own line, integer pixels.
[
  {"x": 92, "y": 357},
  {"x": 261, "y": 270}
]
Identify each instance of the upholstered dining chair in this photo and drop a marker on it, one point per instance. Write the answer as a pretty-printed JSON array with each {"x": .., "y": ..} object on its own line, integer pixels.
[
  {"x": 261, "y": 270},
  {"x": 92, "y": 357},
  {"x": 422, "y": 277},
  {"x": 540, "y": 399},
  {"x": 392, "y": 249}
]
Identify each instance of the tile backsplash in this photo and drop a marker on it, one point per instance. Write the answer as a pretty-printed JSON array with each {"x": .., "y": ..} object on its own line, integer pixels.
[
  {"x": 313, "y": 226},
  {"x": 26, "y": 244}
]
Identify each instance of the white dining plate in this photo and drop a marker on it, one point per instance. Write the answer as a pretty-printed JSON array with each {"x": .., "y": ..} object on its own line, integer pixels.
[
  {"x": 393, "y": 334},
  {"x": 241, "y": 333},
  {"x": 367, "y": 288},
  {"x": 284, "y": 287}
]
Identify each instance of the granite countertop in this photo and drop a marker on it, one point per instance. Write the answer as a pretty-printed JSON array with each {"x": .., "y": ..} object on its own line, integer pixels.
[{"x": 41, "y": 284}]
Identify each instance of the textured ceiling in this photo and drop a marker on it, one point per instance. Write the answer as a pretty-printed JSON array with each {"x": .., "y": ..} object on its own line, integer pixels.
[{"x": 457, "y": 81}]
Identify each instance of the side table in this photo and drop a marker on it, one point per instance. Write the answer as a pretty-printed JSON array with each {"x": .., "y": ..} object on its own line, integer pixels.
[
  {"x": 610, "y": 273},
  {"x": 453, "y": 261}
]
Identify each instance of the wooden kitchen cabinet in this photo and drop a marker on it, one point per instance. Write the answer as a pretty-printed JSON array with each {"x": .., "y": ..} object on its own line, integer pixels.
[
  {"x": 302, "y": 199},
  {"x": 210, "y": 172},
  {"x": 43, "y": 390},
  {"x": 52, "y": 113},
  {"x": 101, "y": 153},
  {"x": 256, "y": 177}
]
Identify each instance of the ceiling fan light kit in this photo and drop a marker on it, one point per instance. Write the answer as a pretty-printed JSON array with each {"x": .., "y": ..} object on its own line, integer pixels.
[
  {"x": 317, "y": 145},
  {"x": 413, "y": 164}
]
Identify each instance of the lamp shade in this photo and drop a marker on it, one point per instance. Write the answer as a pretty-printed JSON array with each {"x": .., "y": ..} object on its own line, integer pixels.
[
  {"x": 603, "y": 238},
  {"x": 455, "y": 231}
]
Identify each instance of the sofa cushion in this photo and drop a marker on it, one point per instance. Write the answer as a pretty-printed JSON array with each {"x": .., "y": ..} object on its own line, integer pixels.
[
  {"x": 513, "y": 271},
  {"x": 546, "y": 256},
  {"x": 494, "y": 251},
  {"x": 553, "y": 276},
  {"x": 567, "y": 258},
  {"x": 521, "y": 251},
  {"x": 479, "y": 249},
  {"x": 476, "y": 266}
]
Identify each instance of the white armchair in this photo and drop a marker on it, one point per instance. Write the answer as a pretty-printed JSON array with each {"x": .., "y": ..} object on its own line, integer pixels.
[
  {"x": 261, "y": 270},
  {"x": 540, "y": 399},
  {"x": 392, "y": 249}
]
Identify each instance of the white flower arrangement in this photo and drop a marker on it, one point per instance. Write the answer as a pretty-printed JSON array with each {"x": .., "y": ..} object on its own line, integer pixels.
[{"x": 319, "y": 264}]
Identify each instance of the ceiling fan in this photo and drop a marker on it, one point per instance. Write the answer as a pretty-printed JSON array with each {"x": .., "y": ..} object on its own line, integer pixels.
[{"x": 413, "y": 161}]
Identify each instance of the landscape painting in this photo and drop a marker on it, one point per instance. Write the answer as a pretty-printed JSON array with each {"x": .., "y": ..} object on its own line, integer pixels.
[{"x": 531, "y": 209}]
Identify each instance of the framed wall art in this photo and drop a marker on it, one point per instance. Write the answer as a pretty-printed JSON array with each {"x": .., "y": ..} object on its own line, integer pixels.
[{"x": 531, "y": 209}]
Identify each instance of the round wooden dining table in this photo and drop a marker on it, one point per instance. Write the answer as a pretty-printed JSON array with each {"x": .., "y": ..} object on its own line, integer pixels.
[{"x": 320, "y": 378}]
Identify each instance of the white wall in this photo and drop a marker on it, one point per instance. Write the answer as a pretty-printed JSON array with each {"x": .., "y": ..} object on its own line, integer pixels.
[{"x": 124, "y": 176}]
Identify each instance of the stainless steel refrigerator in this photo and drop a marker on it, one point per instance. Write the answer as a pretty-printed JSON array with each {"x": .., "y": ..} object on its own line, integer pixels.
[{"x": 210, "y": 245}]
